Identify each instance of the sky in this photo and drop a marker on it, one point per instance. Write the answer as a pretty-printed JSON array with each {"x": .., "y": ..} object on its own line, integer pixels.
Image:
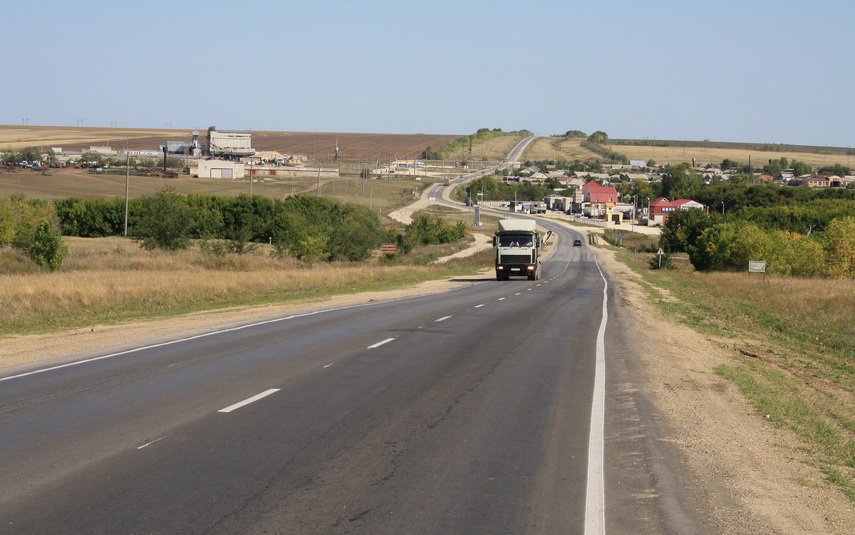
[{"x": 771, "y": 71}]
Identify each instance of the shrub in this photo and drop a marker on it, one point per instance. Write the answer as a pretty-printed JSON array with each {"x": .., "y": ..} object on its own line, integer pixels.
[
  {"x": 163, "y": 222},
  {"x": 426, "y": 230},
  {"x": 47, "y": 248},
  {"x": 840, "y": 247}
]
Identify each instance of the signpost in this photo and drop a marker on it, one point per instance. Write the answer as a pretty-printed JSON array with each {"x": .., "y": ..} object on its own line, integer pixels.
[
  {"x": 757, "y": 266},
  {"x": 659, "y": 254}
]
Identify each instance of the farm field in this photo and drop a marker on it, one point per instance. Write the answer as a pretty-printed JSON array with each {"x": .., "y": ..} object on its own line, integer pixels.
[
  {"x": 382, "y": 194},
  {"x": 715, "y": 155},
  {"x": 312, "y": 144}
]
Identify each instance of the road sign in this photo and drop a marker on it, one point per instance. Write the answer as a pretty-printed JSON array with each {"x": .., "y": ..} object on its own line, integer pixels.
[
  {"x": 757, "y": 266},
  {"x": 660, "y": 252}
]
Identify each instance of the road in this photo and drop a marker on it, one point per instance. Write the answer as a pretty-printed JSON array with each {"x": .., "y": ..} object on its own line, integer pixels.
[{"x": 465, "y": 412}]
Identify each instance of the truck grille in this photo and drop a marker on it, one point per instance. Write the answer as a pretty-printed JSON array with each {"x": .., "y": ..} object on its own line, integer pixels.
[{"x": 515, "y": 259}]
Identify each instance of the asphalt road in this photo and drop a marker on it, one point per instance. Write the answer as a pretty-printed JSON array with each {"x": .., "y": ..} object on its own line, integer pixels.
[{"x": 465, "y": 412}]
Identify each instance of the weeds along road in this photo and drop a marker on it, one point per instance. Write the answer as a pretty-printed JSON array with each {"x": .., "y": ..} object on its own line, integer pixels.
[{"x": 464, "y": 412}]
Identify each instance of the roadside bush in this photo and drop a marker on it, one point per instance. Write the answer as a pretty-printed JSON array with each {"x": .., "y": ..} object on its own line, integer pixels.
[
  {"x": 163, "y": 222},
  {"x": 426, "y": 230},
  {"x": 7, "y": 223},
  {"x": 47, "y": 248},
  {"x": 840, "y": 247}
]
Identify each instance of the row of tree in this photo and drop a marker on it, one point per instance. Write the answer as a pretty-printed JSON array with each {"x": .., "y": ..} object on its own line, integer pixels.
[{"x": 714, "y": 243}]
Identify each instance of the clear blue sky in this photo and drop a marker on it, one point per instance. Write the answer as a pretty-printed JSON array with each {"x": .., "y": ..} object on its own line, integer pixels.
[{"x": 774, "y": 71}]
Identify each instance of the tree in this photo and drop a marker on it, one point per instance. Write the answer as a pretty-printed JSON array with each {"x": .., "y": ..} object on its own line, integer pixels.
[
  {"x": 598, "y": 137},
  {"x": 801, "y": 168},
  {"x": 575, "y": 133},
  {"x": 682, "y": 230},
  {"x": 47, "y": 248},
  {"x": 680, "y": 181},
  {"x": 164, "y": 222}
]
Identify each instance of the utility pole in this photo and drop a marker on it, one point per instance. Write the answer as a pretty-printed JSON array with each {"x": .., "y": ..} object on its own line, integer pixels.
[
  {"x": 127, "y": 184},
  {"x": 250, "y": 178}
]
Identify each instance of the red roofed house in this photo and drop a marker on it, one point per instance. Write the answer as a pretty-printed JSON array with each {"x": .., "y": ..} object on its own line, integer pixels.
[
  {"x": 600, "y": 199},
  {"x": 661, "y": 208}
]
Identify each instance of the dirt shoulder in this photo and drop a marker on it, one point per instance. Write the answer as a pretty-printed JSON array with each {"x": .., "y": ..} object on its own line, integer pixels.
[{"x": 728, "y": 446}]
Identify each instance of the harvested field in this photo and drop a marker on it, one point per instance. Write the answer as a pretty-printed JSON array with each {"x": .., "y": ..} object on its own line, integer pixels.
[
  {"x": 311, "y": 144},
  {"x": 553, "y": 148}
]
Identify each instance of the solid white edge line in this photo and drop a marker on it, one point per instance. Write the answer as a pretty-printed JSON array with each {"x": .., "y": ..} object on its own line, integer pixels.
[
  {"x": 247, "y": 401},
  {"x": 440, "y": 320},
  {"x": 380, "y": 343},
  {"x": 185, "y": 339},
  {"x": 595, "y": 498}
]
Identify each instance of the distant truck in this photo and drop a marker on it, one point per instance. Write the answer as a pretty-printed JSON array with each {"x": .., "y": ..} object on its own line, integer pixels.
[{"x": 518, "y": 248}]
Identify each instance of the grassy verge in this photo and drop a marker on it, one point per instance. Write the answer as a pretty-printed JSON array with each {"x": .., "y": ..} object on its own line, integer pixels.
[
  {"x": 112, "y": 280},
  {"x": 793, "y": 349}
]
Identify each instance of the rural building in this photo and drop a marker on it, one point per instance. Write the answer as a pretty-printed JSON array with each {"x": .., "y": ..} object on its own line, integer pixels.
[
  {"x": 661, "y": 208},
  {"x": 599, "y": 200},
  {"x": 220, "y": 169},
  {"x": 229, "y": 144}
]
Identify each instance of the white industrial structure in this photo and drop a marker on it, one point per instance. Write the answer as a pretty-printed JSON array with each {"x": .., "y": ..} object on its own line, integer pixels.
[{"x": 229, "y": 144}]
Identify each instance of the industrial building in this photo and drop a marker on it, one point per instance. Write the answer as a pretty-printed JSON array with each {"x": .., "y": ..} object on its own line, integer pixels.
[{"x": 229, "y": 144}]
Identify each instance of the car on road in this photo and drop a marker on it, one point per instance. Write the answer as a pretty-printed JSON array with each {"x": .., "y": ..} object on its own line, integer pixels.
[{"x": 577, "y": 243}]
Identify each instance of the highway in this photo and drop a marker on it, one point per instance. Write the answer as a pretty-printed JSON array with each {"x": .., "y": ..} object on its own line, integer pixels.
[
  {"x": 500, "y": 407},
  {"x": 464, "y": 412}
]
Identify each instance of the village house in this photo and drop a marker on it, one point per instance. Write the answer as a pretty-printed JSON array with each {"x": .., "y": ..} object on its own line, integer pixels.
[
  {"x": 661, "y": 208},
  {"x": 598, "y": 200}
]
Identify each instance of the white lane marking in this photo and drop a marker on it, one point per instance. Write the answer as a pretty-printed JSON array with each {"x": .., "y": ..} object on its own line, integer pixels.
[
  {"x": 528, "y": 289},
  {"x": 479, "y": 306},
  {"x": 518, "y": 293},
  {"x": 440, "y": 320},
  {"x": 539, "y": 285},
  {"x": 380, "y": 343},
  {"x": 328, "y": 365},
  {"x": 595, "y": 498},
  {"x": 247, "y": 401},
  {"x": 188, "y": 339},
  {"x": 500, "y": 299},
  {"x": 150, "y": 443}
]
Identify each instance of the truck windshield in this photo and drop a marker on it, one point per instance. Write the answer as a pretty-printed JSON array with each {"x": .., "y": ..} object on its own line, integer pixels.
[{"x": 515, "y": 240}]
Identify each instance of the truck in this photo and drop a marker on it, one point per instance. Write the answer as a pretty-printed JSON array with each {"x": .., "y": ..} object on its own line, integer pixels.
[{"x": 518, "y": 248}]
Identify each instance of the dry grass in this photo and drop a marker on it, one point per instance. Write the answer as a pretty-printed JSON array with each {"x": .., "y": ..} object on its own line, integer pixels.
[
  {"x": 496, "y": 148},
  {"x": 715, "y": 156},
  {"x": 551, "y": 148},
  {"x": 109, "y": 280}
]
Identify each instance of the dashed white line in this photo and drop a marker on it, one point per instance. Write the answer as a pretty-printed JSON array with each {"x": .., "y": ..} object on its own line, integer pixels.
[
  {"x": 247, "y": 401},
  {"x": 500, "y": 299},
  {"x": 328, "y": 365},
  {"x": 441, "y": 319},
  {"x": 380, "y": 343},
  {"x": 518, "y": 293},
  {"x": 479, "y": 306}
]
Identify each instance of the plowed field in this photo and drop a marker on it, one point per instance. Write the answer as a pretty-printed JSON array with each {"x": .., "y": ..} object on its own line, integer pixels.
[{"x": 311, "y": 144}]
